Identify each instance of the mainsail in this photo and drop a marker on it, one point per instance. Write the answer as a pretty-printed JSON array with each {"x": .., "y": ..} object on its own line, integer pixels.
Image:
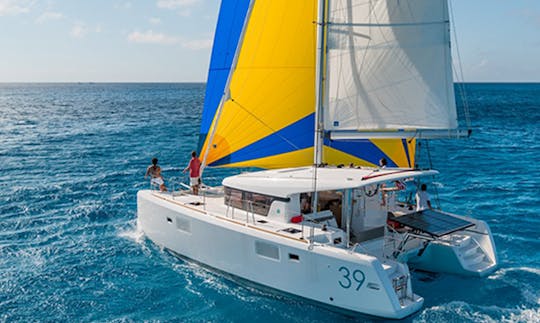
[
  {"x": 261, "y": 111},
  {"x": 389, "y": 67}
]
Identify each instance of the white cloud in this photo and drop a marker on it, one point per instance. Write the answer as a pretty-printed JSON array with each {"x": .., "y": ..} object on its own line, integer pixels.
[
  {"x": 197, "y": 44},
  {"x": 14, "y": 7},
  {"x": 154, "y": 20},
  {"x": 49, "y": 15},
  {"x": 150, "y": 37},
  {"x": 79, "y": 30},
  {"x": 184, "y": 13},
  {"x": 483, "y": 63},
  {"x": 124, "y": 5},
  {"x": 174, "y": 4}
]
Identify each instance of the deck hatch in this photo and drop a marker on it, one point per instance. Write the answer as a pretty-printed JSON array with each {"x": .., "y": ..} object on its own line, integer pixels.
[{"x": 291, "y": 230}]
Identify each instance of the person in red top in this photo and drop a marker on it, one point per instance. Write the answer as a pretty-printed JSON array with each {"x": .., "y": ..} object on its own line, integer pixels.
[{"x": 194, "y": 168}]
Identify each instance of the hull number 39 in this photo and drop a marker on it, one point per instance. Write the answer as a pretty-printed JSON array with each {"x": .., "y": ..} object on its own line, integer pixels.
[{"x": 350, "y": 279}]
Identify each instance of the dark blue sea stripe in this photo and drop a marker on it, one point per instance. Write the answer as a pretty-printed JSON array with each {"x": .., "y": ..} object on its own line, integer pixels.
[
  {"x": 298, "y": 135},
  {"x": 229, "y": 27},
  {"x": 361, "y": 148}
]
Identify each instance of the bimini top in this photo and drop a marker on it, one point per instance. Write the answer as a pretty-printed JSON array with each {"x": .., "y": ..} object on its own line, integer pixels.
[{"x": 285, "y": 182}]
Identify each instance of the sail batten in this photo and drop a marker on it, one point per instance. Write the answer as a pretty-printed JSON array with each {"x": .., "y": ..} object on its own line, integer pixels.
[{"x": 359, "y": 24}]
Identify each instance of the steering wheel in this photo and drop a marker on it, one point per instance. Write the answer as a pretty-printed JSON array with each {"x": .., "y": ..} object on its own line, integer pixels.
[{"x": 371, "y": 190}]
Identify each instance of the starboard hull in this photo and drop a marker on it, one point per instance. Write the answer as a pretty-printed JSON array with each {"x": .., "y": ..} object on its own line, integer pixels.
[{"x": 345, "y": 281}]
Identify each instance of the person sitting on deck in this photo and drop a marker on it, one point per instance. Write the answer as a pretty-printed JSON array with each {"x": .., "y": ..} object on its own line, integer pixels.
[
  {"x": 305, "y": 203},
  {"x": 398, "y": 186},
  {"x": 194, "y": 168},
  {"x": 154, "y": 171},
  {"x": 422, "y": 199}
]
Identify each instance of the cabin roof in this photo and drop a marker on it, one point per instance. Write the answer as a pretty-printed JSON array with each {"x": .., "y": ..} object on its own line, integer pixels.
[{"x": 289, "y": 181}]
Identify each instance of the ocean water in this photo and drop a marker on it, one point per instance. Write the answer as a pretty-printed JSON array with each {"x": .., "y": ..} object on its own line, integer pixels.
[{"x": 72, "y": 157}]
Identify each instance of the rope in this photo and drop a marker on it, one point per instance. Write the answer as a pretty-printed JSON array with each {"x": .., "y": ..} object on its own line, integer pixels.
[
  {"x": 461, "y": 86},
  {"x": 431, "y": 167},
  {"x": 265, "y": 124}
]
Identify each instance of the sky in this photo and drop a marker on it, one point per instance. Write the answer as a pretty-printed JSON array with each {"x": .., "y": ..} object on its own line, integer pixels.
[{"x": 171, "y": 40}]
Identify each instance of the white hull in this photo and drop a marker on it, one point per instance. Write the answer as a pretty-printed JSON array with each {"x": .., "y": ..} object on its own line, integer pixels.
[
  {"x": 327, "y": 274},
  {"x": 469, "y": 252}
]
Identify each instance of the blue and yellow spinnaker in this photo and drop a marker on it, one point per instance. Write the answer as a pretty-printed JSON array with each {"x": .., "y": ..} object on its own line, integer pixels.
[{"x": 268, "y": 118}]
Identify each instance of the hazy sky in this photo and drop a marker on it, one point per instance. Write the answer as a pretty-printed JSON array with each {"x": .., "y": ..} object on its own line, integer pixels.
[{"x": 170, "y": 40}]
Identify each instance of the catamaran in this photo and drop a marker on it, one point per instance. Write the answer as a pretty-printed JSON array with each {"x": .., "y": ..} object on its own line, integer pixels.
[{"x": 316, "y": 93}]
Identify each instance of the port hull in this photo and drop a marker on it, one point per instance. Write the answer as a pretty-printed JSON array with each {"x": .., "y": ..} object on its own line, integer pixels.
[{"x": 346, "y": 281}]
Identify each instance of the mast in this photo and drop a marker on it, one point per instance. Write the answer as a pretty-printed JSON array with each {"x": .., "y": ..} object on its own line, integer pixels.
[{"x": 319, "y": 79}]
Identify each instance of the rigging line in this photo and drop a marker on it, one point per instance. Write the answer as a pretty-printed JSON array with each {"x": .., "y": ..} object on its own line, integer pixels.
[
  {"x": 264, "y": 123},
  {"x": 461, "y": 87},
  {"x": 431, "y": 167},
  {"x": 404, "y": 24}
]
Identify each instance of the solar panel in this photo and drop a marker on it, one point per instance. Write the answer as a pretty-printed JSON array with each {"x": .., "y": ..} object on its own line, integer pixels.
[{"x": 433, "y": 222}]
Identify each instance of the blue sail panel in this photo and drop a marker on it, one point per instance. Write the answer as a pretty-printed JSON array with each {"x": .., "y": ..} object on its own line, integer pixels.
[
  {"x": 361, "y": 148},
  {"x": 232, "y": 15},
  {"x": 296, "y": 136}
]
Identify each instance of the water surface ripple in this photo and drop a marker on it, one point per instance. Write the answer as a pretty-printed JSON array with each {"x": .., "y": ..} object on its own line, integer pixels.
[{"x": 73, "y": 157}]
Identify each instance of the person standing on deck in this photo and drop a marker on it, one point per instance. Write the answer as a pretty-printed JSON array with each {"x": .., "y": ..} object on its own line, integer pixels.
[
  {"x": 422, "y": 199},
  {"x": 194, "y": 168},
  {"x": 154, "y": 171}
]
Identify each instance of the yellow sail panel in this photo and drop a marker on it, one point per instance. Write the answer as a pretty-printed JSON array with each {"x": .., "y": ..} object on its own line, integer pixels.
[
  {"x": 273, "y": 84},
  {"x": 336, "y": 157},
  {"x": 295, "y": 158}
]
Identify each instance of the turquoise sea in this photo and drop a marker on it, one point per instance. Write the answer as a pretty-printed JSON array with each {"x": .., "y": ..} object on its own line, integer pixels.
[{"x": 72, "y": 157}]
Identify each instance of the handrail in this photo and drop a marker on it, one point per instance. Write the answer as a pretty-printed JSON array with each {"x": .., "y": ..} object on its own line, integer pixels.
[{"x": 353, "y": 248}]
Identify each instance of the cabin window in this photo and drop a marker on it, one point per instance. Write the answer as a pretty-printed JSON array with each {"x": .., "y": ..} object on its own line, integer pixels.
[
  {"x": 305, "y": 203},
  {"x": 234, "y": 198},
  {"x": 248, "y": 201},
  {"x": 267, "y": 250},
  {"x": 261, "y": 203}
]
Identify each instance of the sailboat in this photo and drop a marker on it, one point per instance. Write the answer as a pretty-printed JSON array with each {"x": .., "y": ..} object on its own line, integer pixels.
[{"x": 316, "y": 92}]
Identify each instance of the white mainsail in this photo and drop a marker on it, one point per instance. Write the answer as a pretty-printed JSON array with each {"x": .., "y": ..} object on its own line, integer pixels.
[{"x": 389, "y": 67}]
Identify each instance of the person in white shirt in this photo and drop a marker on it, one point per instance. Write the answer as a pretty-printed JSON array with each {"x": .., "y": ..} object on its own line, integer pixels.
[{"x": 422, "y": 199}]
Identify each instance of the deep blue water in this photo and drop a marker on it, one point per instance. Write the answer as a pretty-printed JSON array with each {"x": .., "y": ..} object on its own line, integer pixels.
[{"x": 73, "y": 156}]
